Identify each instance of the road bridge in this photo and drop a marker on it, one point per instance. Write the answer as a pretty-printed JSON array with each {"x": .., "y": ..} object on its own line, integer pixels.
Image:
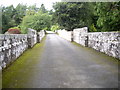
[{"x": 58, "y": 63}]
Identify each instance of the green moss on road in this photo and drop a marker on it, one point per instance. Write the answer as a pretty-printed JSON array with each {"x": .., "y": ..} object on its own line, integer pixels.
[
  {"x": 18, "y": 74},
  {"x": 99, "y": 57},
  {"x": 93, "y": 51}
]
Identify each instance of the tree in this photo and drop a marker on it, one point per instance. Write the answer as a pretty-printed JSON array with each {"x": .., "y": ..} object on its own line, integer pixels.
[
  {"x": 31, "y": 10},
  {"x": 12, "y": 17},
  {"x": 20, "y": 13},
  {"x": 38, "y": 21},
  {"x": 42, "y": 9},
  {"x": 108, "y": 16},
  {"x": 55, "y": 27},
  {"x": 100, "y": 16},
  {"x": 72, "y": 15},
  {"x": 8, "y": 18}
]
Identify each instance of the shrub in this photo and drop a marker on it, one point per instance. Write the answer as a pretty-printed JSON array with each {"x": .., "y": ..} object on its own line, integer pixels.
[
  {"x": 14, "y": 30},
  {"x": 55, "y": 27}
]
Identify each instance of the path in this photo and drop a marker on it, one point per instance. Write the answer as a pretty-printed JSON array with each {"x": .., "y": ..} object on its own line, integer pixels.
[{"x": 57, "y": 63}]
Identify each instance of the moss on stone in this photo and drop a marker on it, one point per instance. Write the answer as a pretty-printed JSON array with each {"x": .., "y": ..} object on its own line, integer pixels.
[{"x": 17, "y": 74}]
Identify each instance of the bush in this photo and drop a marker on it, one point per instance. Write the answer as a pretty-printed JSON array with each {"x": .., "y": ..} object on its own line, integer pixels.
[
  {"x": 92, "y": 28},
  {"x": 55, "y": 27},
  {"x": 14, "y": 30}
]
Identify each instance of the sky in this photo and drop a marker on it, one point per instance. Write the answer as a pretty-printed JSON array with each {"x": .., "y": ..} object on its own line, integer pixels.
[{"x": 47, "y": 3}]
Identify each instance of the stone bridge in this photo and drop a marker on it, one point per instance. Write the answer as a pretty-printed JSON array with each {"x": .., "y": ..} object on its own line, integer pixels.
[
  {"x": 13, "y": 45},
  {"x": 58, "y": 63},
  {"x": 106, "y": 42}
]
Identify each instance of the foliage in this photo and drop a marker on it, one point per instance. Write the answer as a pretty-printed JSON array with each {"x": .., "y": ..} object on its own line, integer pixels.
[
  {"x": 100, "y": 16},
  {"x": 11, "y": 16},
  {"x": 55, "y": 27},
  {"x": 93, "y": 28},
  {"x": 108, "y": 16},
  {"x": 38, "y": 21},
  {"x": 42, "y": 9},
  {"x": 7, "y": 17},
  {"x": 97, "y": 16},
  {"x": 72, "y": 15},
  {"x": 31, "y": 10},
  {"x": 25, "y": 17},
  {"x": 14, "y": 30},
  {"x": 20, "y": 12},
  {"x": 26, "y": 23}
]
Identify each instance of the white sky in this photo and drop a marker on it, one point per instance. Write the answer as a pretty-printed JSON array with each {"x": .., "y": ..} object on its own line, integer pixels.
[{"x": 47, "y": 3}]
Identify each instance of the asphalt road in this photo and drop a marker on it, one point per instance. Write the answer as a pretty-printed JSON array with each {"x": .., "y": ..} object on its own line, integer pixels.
[{"x": 63, "y": 64}]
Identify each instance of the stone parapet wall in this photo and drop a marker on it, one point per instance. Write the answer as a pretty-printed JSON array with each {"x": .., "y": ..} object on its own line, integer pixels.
[
  {"x": 80, "y": 36},
  {"x": 41, "y": 34},
  {"x": 13, "y": 45},
  {"x": 65, "y": 34},
  {"x": 32, "y": 37},
  {"x": 107, "y": 42}
]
